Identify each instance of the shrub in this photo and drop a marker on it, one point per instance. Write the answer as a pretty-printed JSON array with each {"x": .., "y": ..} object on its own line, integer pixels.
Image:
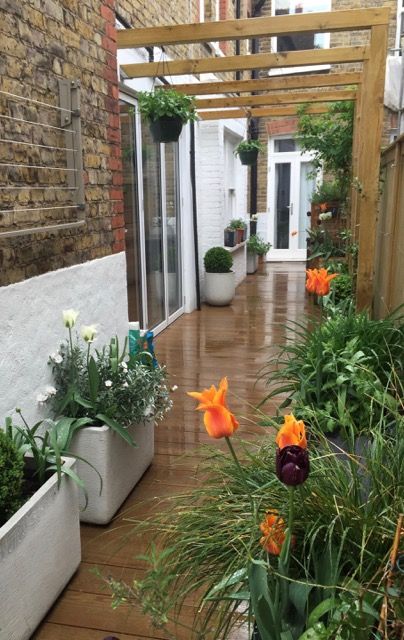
[
  {"x": 218, "y": 260},
  {"x": 326, "y": 192},
  {"x": 341, "y": 288},
  {"x": 11, "y": 477},
  {"x": 256, "y": 244},
  {"x": 332, "y": 370},
  {"x": 166, "y": 102}
]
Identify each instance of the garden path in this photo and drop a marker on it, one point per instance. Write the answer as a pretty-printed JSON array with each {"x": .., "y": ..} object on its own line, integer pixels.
[{"x": 199, "y": 349}]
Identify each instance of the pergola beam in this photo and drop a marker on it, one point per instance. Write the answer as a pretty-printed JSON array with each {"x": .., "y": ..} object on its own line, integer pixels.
[
  {"x": 268, "y": 112},
  {"x": 337, "y": 55},
  {"x": 322, "y": 22},
  {"x": 267, "y": 84},
  {"x": 276, "y": 99}
]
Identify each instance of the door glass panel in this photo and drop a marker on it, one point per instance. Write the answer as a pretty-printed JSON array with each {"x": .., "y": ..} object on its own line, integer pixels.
[
  {"x": 173, "y": 231},
  {"x": 307, "y": 186},
  {"x": 282, "y": 194},
  {"x": 131, "y": 210},
  {"x": 285, "y": 144},
  {"x": 153, "y": 228}
]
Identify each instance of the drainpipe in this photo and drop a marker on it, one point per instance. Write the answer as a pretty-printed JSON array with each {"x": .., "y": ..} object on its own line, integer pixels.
[
  {"x": 238, "y": 16},
  {"x": 195, "y": 215},
  {"x": 253, "y": 124}
]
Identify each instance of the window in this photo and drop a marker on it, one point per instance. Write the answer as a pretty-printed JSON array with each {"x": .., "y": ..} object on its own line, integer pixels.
[{"x": 300, "y": 41}]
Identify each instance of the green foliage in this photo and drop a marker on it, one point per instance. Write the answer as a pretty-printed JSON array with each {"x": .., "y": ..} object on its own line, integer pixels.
[
  {"x": 322, "y": 245},
  {"x": 341, "y": 288},
  {"x": 237, "y": 223},
  {"x": 249, "y": 145},
  {"x": 218, "y": 260},
  {"x": 329, "y": 137},
  {"x": 345, "y": 517},
  {"x": 45, "y": 443},
  {"x": 166, "y": 102},
  {"x": 109, "y": 387},
  {"x": 326, "y": 192},
  {"x": 257, "y": 245},
  {"x": 11, "y": 477},
  {"x": 342, "y": 372}
]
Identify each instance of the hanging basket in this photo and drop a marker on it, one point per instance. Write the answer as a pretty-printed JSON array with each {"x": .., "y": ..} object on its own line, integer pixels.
[
  {"x": 166, "y": 129},
  {"x": 248, "y": 157}
]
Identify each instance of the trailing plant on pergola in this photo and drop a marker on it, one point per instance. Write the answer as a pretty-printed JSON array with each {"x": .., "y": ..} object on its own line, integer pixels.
[{"x": 368, "y": 95}]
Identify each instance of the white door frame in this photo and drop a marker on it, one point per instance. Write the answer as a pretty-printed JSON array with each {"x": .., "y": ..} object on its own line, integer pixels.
[
  {"x": 142, "y": 238},
  {"x": 295, "y": 158}
]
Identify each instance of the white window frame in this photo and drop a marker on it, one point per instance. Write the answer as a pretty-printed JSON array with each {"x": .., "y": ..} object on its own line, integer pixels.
[
  {"x": 288, "y": 70},
  {"x": 400, "y": 24}
]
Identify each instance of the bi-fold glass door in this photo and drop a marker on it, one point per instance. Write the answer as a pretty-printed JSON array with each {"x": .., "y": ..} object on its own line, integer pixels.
[{"x": 153, "y": 223}]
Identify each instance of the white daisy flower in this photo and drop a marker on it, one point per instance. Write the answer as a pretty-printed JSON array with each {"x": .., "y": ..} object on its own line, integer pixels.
[
  {"x": 56, "y": 357},
  {"x": 108, "y": 383},
  {"x": 50, "y": 391}
]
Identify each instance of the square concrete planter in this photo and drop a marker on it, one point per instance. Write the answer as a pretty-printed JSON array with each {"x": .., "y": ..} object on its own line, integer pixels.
[
  {"x": 120, "y": 466},
  {"x": 39, "y": 552}
]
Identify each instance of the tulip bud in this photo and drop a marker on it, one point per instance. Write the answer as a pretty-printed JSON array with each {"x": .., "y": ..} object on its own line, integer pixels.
[
  {"x": 70, "y": 317},
  {"x": 292, "y": 465},
  {"x": 88, "y": 332}
]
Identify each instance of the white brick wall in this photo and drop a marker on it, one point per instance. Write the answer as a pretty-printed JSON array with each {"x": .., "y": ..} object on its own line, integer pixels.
[{"x": 211, "y": 185}]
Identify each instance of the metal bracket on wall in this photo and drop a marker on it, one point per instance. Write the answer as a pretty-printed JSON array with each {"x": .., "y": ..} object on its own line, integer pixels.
[{"x": 70, "y": 119}]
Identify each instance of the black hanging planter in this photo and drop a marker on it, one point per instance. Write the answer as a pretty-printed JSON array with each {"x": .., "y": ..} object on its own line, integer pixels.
[
  {"x": 248, "y": 157},
  {"x": 166, "y": 128}
]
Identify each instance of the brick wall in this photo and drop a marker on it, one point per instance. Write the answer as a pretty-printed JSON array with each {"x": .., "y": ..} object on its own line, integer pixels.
[{"x": 42, "y": 42}]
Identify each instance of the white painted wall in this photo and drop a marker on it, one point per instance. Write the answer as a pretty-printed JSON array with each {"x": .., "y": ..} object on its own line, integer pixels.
[
  {"x": 32, "y": 327},
  {"x": 216, "y": 172}
]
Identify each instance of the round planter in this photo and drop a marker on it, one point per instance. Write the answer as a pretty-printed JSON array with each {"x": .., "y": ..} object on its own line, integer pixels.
[
  {"x": 166, "y": 129},
  {"x": 248, "y": 157},
  {"x": 252, "y": 262},
  {"x": 219, "y": 288},
  {"x": 119, "y": 464}
]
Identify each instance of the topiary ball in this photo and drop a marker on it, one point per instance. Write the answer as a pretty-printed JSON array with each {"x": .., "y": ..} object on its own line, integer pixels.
[
  {"x": 218, "y": 260},
  {"x": 11, "y": 477}
]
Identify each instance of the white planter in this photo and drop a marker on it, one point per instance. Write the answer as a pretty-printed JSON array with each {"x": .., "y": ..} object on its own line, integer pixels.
[
  {"x": 120, "y": 466},
  {"x": 252, "y": 262},
  {"x": 39, "y": 553},
  {"x": 219, "y": 288}
]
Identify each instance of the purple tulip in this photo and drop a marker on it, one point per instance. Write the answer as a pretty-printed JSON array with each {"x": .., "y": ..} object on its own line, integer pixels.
[{"x": 292, "y": 465}]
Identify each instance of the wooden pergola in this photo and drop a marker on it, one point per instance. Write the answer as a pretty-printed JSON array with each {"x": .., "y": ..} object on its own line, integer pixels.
[{"x": 280, "y": 96}]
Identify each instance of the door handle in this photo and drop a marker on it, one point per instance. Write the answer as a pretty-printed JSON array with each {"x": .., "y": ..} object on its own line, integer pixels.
[{"x": 290, "y": 207}]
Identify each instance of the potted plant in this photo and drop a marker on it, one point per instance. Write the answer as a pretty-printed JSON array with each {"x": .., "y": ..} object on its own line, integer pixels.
[
  {"x": 256, "y": 248},
  {"x": 39, "y": 525},
  {"x": 326, "y": 199},
  {"x": 219, "y": 278},
  {"x": 122, "y": 396},
  {"x": 239, "y": 227},
  {"x": 167, "y": 111},
  {"x": 229, "y": 237},
  {"x": 247, "y": 151}
]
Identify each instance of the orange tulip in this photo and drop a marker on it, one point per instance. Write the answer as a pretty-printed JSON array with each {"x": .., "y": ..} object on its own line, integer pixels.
[
  {"x": 324, "y": 207},
  {"x": 292, "y": 432},
  {"x": 218, "y": 420},
  {"x": 273, "y": 528},
  {"x": 318, "y": 281}
]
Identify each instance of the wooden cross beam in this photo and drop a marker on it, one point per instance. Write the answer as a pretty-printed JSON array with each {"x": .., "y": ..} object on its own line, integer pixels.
[
  {"x": 322, "y": 22},
  {"x": 266, "y": 84},
  {"x": 336, "y": 55},
  {"x": 268, "y": 112},
  {"x": 278, "y": 99}
]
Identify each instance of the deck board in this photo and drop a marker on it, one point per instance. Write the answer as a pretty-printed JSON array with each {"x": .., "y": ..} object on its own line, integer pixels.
[{"x": 198, "y": 349}]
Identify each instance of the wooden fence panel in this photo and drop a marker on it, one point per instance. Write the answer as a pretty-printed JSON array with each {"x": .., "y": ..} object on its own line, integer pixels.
[{"x": 389, "y": 263}]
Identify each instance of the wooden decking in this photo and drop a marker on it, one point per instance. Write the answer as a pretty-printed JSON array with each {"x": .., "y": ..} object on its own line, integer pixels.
[{"x": 198, "y": 349}]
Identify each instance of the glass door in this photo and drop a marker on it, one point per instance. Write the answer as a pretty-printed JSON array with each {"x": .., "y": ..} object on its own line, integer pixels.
[
  {"x": 153, "y": 223},
  {"x": 290, "y": 186}
]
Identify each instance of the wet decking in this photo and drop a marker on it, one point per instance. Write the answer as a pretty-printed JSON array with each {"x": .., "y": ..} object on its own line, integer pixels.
[{"x": 199, "y": 349}]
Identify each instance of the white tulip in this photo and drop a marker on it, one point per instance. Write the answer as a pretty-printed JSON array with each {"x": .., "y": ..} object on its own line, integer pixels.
[
  {"x": 70, "y": 317},
  {"x": 88, "y": 332}
]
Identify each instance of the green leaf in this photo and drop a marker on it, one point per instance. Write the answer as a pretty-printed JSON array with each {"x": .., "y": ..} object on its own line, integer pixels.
[
  {"x": 82, "y": 401},
  {"x": 265, "y": 611},
  {"x": 93, "y": 380},
  {"x": 299, "y": 596},
  {"x": 324, "y": 607},
  {"x": 228, "y": 581},
  {"x": 116, "y": 426}
]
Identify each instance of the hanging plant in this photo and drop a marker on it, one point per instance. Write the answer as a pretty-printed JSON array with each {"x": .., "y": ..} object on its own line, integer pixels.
[
  {"x": 248, "y": 150},
  {"x": 167, "y": 111}
]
